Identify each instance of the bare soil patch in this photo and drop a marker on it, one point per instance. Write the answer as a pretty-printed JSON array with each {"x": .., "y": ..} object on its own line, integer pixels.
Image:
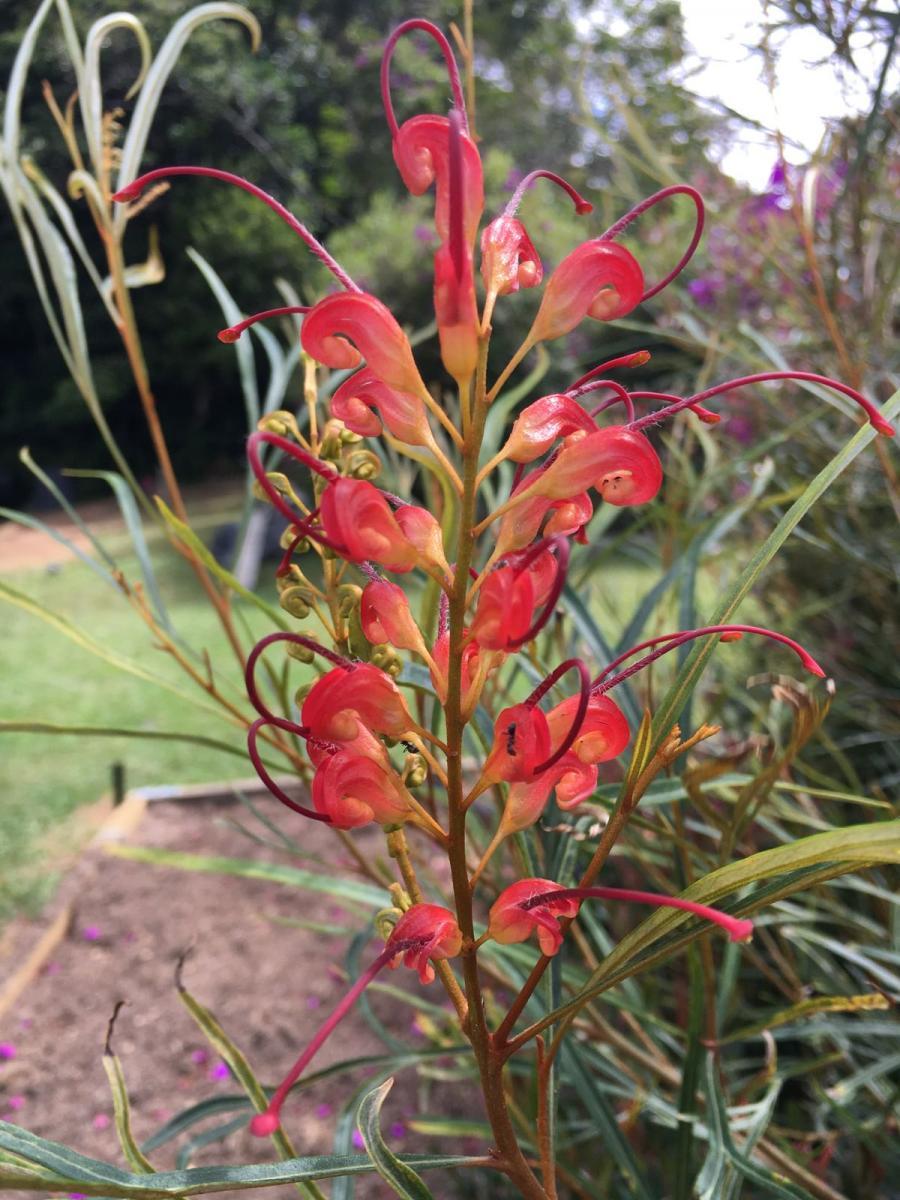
[{"x": 269, "y": 985}]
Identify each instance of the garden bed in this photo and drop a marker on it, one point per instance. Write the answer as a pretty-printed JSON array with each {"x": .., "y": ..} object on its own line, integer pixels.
[{"x": 268, "y": 984}]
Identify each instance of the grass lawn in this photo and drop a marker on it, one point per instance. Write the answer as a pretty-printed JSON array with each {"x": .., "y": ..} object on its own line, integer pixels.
[{"x": 48, "y": 677}]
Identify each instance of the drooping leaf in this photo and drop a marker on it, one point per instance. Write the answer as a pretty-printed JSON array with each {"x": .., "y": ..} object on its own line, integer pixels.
[{"x": 402, "y": 1179}]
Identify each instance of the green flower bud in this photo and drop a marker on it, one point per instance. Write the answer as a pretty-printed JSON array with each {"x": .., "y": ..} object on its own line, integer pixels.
[
  {"x": 280, "y": 422},
  {"x": 349, "y": 596},
  {"x": 363, "y": 464},
  {"x": 415, "y": 770},
  {"x": 296, "y": 600},
  {"x": 300, "y": 653},
  {"x": 387, "y": 658},
  {"x": 301, "y": 693},
  {"x": 385, "y": 920},
  {"x": 349, "y": 438}
]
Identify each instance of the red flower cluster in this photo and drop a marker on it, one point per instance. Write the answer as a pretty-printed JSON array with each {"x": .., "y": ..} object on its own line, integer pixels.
[{"x": 354, "y": 714}]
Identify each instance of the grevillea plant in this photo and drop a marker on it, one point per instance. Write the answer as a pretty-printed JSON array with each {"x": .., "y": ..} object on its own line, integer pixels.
[
  {"x": 441, "y": 709},
  {"x": 356, "y": 558}
]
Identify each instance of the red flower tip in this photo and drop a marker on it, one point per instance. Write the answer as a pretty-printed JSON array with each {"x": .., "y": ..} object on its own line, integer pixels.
[
  {"x": 882, "y": 426},
  {"x": 233, "y": 332},
  {"x": 228, "y": 336},
  {"x": 131, "y": 191},
  {"x": 264, "y": 1124}
]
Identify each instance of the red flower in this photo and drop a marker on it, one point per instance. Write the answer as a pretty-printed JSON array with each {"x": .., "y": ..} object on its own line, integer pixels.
[
  {"x": 599, "y": 279},
  {"x": 345, "y": 699},
  {"x": 353, "y": 790}
]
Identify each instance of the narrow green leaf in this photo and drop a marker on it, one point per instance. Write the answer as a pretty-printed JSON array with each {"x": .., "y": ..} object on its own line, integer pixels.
[
  {"x": 243, "y": 347},
  {"x": 186, "y": 535},
  {"x": 21, "y": 518},
  {"x": 151, "y": 92},
  {"x": 122, "y": 1110},
  {"x": 833, "y": 853},
  {"x": 243, "y": 1073},
  {"x": 86, "y": 642},
  {"x": 112, "y": 731},
  {"x": 60, "y": 1169},
  {"x": 347, "y": 889},
  {"x": 687, "y": 678},
  {"x": 401, "y": 1178}
]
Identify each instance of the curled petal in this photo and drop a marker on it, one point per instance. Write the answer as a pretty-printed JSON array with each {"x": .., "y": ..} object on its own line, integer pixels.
[
  {"x": 352, "y": 790},
  {"x": 511, "y": 922},
  {"x": 423, "y": 532},
  {"x": 360, "y": 400},
  {"x": 434, "y": 934},
  {"x": 509, "y": 260},
  {"x": 602, "y": 735},
  {"x": 598, "y": 279},
  {"x": 357, "y": 517},
  {"x": 622, "y": 466},
  {"x": 521, "y": 741},
  {"x": 520, "y": 525},
  {"x": 422, "y": 154},
  {"x": 505, "y": 608},
  {"x": 540, "y": 424},
  {"x": 343, "y": 700},
  {"x": 577, "y": 781},
  {"x": 342, "y": 329},
  {"x": 385, "y": 616}
]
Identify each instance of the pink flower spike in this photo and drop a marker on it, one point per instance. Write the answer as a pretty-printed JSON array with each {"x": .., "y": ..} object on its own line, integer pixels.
[
  {"x": 878, "y": 422},
  {"x": 233, "y": 332},
  {"x": 606, "y": 680},
  {"x": 683, "y": 189},
  {"x": 426, "y": 931},
  {"x": 449, "y": 58},
  {"x": 132, "y": 190}
]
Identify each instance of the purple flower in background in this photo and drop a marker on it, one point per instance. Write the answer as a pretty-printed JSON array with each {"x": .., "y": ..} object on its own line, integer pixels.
[
  {"x": 200, "y": 1057},
  {"x": 91, "y": 933},
  {"x": 7, "y": 1051},
  {"x": 706, "y": 289},
  {"x": 398, "y": 1130},
  {"x": 313, "y": 1002},
  {"x": 513, "y": 179},
  {"x": 423, "y": 234},
  {"x": 323, "y": 1111},
  {"x": 15, "y": 1103},
  {"x": 101, "y": 1121},
  {"x": 220, "y": 1071},
  {"x": 357, "y": 1140}
]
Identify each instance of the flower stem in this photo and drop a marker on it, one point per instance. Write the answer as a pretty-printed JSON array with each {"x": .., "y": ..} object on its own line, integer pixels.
[{"x": 490, "y": 1064}]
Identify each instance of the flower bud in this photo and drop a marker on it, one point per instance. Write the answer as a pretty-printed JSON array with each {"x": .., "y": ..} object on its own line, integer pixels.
[
  {"x": 296, "y": 600},
  {"x": 349, "y": 595},
  {"x": 387, "y": 659},
  {"x": 363, "y": 464},
  {"x": 280, "y": 422},
  {"x": 301, "y": 653},
  {"x": 415, "y": 770}
]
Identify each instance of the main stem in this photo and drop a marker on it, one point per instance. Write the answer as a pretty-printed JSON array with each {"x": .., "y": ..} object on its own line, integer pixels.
[{"x": 490, "y": 1064}]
